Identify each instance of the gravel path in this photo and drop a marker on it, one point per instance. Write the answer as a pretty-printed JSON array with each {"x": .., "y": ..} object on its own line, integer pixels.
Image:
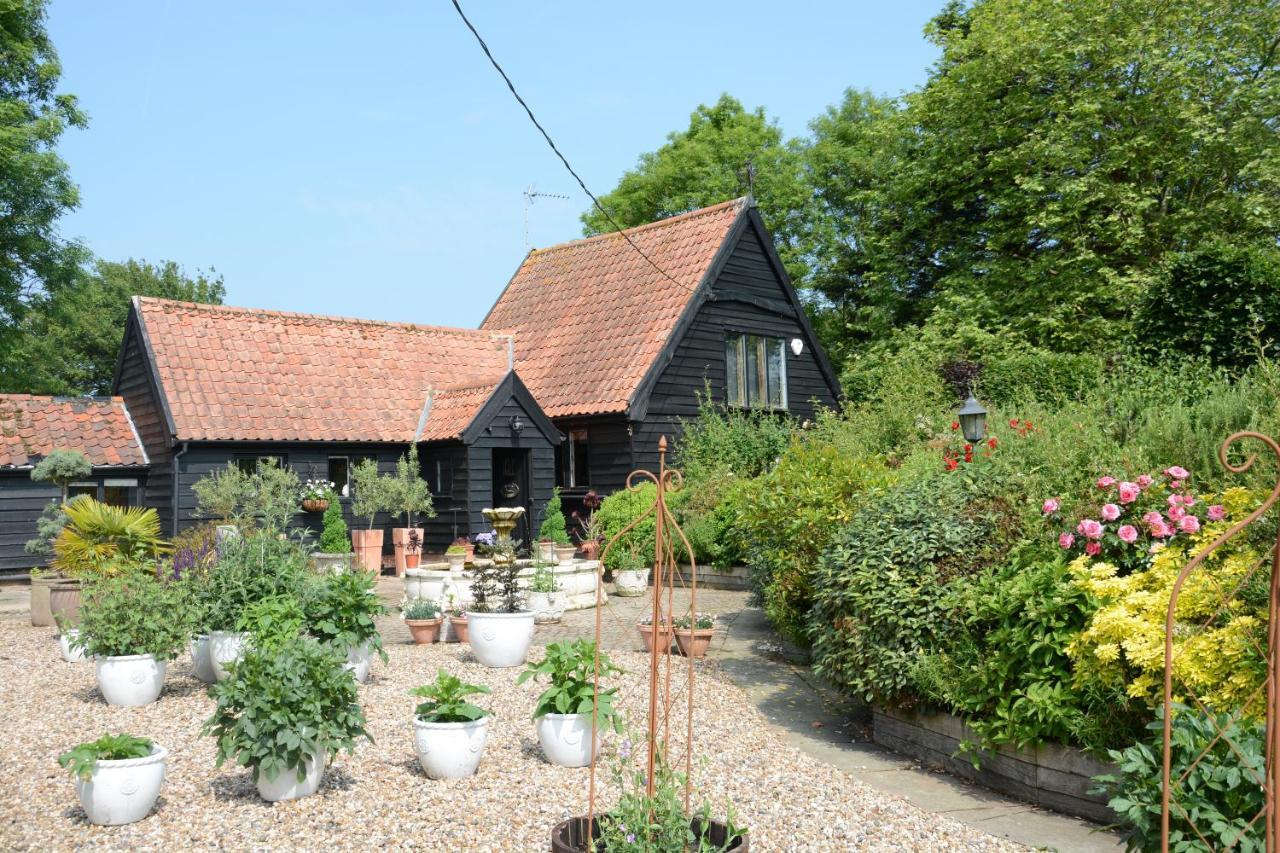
[{"x": 380, "y": 798}]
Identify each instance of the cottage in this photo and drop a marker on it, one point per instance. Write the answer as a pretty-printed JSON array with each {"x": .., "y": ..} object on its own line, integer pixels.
[{"x": 592, "y": 352}]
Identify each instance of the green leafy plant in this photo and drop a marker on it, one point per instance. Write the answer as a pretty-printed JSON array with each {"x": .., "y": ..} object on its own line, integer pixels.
[
  {"x": 62, "y": 468},
  {"x": 571, "y": 668},
  {"x": 553, "y": 524},
  {"x": 254, "y": 566},
  {"x": 495, "y": 588},
  {"x": 446, "y": 700},
  {"x": 283, "y": 705},
  {"x": 101, "y": 540},
  {"x": 82, "y": 760},
  {"x": 455, "y": 550},
  {"x": 700, "y": 621},
  {"x": 48, "y": 526},
  {"x": 407, "y": 492},
  {"x": 620, "y": 509},
  {"x": 334, "y": 537},
  {"x": 372, "y": 492},
  {"x": 273, "y": 621},
  {"x": 224, "y": 494},
  {"x": 342, "y": 610},
  {"x": 274, "y": 498},
  {"x": 134, "y": 615},
  {"x": 420, "y": 609},
  {"x": 544, "y": 578}
]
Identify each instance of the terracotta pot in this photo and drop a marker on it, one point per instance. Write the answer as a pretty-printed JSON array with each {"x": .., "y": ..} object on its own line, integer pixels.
[
  {"x": 459, "y": 626},
  {"x": 694, "y": 642},
  {"x": 411, "y": 559},
  {"x": 590, "y": 550},
  {"x": 368, "y": 548},
  {"x": 400, "y": 540},
  {"x": 571, "y": 836},
  {"x": 471, "y": 552},
  {"x": 41, "y": 615},
  {"x": 315, "y": 505},
  {"x": 64, "y": 602},
  {"x": 564, "y": 553},
  {"x": 424, "y": 631},
  {"x": 646, "y": 633}
]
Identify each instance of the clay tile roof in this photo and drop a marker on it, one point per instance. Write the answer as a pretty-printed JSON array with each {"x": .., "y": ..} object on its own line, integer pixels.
[
  {"x": 453, "y": 409},
  {"x": 591, "y": 316},
  {"x": 98, "y": 427},
  {"x": 240, "y": 373}
]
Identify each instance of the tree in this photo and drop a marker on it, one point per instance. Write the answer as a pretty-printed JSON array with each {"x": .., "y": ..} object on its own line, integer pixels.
[
  {"x": 707, "y": 164},
  {"x": 70, "y": 338},
  {"x": 35, "y": 189},
  {"x": 62, "y": 468}
]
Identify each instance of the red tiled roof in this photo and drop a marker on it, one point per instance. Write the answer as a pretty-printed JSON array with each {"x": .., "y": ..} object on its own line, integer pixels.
[
  {"x": 453, "y": 409},
  {"x": 239, "y": 373},
  {"x": 591, "y": 316},
  {"x": 98, "y": 427}
]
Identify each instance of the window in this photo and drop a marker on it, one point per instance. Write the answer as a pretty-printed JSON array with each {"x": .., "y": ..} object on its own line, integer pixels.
[
  {"x": 440, "y": 478},
  {"x": 249, "y": 464},
  {"x": 572, "y": 456},
  {"x": 755, "y": 371},
  {"x": 120, "y": 491},
  {"x": 86, "y": 488},
  {"x": 340, "y": 474}
]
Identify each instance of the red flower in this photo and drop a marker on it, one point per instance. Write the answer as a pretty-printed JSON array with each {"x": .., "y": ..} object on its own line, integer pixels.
[
  {"x": 991, "y": 442},
  {"x": 968, "y": 448},
  {"x": 955, "y": 425},
  {"x": 951, "y": 464},
  {"x": 1014, "y": 423}
]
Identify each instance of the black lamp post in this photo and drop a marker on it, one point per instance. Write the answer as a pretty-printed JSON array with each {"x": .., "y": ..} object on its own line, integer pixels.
[{"x": 973, "y": 420}]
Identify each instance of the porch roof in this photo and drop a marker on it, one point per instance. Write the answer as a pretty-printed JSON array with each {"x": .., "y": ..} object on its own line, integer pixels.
[{"x": 99, "y": 427}]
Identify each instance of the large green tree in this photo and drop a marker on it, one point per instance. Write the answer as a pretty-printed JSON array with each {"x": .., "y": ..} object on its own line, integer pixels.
[
  {"x": 70, "y": 336},
  {"x": 35, "y": 188}
]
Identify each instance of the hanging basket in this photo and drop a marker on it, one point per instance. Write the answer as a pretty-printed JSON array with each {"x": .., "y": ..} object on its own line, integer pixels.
[{"x": 315, "y": 504}]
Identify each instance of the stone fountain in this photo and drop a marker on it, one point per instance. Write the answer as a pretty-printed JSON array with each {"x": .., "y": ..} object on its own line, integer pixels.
[{"x": 504, "y": 520}]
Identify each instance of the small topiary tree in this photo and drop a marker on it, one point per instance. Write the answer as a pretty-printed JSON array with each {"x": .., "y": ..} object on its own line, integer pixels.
[
  {"x": 334, "y": 538},
  {"x": 409, "y": 493},
  {"x": 552, "y": 529},
  {"x": 62, "y": 468}
]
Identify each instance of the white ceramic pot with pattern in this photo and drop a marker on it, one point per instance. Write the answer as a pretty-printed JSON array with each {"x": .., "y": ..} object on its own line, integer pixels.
[
  {"x": 286, "y": 785},
  {"x": 567, "y": 739},
  {"x": 122, "y": 791},
  {"x": 450, "y": 750},
  {"x": 202, "y": 660},
  {"x": 359, "y": 661},
  {"x": 70, "y": 653},
  {"x": 130, "y": 680},
  {"x": 631, "y": 582},
  {"x": 500, "y": 640},
  {"x": 547, "y": 607},
  {"x": 225, "y": 647}
]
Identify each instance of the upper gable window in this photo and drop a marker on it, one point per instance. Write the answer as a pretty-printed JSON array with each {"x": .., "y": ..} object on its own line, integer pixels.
[{"x": 755, "y": 371}]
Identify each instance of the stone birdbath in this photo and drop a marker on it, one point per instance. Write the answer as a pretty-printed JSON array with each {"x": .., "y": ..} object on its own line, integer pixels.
[{"x": 504, "y": 520}]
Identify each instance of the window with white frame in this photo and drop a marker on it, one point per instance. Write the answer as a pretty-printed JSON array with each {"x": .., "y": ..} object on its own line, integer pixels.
[{"x": 755, "y": 371}]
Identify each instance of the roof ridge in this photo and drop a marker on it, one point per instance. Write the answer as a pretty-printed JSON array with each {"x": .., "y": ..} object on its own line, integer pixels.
[
  {"x": 469, "y": 386},
  {"x": 64, "y": 398},
  {"x": 327, "y": 318},
  {"x": 740, "y": 202}
]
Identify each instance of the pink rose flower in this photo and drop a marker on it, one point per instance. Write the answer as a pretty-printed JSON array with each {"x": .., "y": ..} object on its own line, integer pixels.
[
  {"x": 1190, "y": 524},
  {"x": 1128, "y": 533},
  {"x": 1177, "y": 472},
  {"x": 1092, "y": 549},
  {"x": 1106, "y": 482},
  {"x": 1177, "y": 513},
  {"x": 1145, "y": 480},
  {"x": 1176, "y": 484},
  {"x": 1129, "y": 492},
  {"x": 1049, "y": 506},
  {"x": 1217, "y": 512},
  {"x": 1153, "y": 517},
  {"x": 1188, "y": 500},
  {"x": 1161, "y": 530},
  {"x": 1110, "y": 512},
  {"x": 1174, "y": 500},
  {"x": 1066, "y": 540},
  {"x": 1090, "y": 528}
]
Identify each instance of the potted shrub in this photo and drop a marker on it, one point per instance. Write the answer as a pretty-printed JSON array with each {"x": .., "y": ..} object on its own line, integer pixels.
[
  {"x": 286, "y": 711},
  {"x": 316, "y": 495},
  {"x": 590, "y": 531},
  {"x": 663, "y": 634},
  {"x": 545, "y": 601},
  {"x": 335, "y": 540},
  {"x": 457, "y": 557},
  {"x": 412, "y": 549},
  {"x": 342, "y": 611},
  {"x": 422, "y": 617},
  {"x": 372, "y": 496},
  {"x": 553, "y": 539},
  {"x": 455, "y": 628},
  {"x": 131, "y": 626},
  {"x": 500, "y": 631},
  {"x": 100, "y": 541},
  {"x": 564, "y": 713},
  {"x": 631, "y": 577},
  {"x": 117, "y": 777},
  {"x": 48, "y": 525},
  {"x": 693, "y": 634},
  {"x": 410, "y": 495},
  {"x": 467, "y": 546},
  {"x": 449, "y": 731}
]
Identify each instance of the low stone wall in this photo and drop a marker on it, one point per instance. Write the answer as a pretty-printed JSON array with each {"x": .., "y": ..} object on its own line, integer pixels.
[
  {"x": 1052, "y": 776},
  {"x": 710, "y": 577},
  {"x": 577, "y": 580}
]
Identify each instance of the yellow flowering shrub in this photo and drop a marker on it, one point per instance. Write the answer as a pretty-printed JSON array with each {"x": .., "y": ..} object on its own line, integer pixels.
[{"x": 1216, "y": 658}]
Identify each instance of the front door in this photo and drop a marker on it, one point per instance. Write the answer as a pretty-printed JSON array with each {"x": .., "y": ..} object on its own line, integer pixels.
[{"x": 511, "y": 487}]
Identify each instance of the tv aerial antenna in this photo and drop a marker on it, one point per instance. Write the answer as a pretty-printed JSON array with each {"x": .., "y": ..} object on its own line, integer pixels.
[{"x": 530, "y": 195}]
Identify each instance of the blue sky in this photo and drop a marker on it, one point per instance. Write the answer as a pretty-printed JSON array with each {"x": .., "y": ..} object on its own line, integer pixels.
[{"x": 371, "y": 164}]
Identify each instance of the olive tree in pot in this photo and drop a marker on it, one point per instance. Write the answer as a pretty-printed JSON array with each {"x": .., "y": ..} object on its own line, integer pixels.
[
  {"x": 449, "y": 732},
  {"x": 131, "y": 626},
  {"x": 342, "y": 611},
  {"x": 372, "y": 495},
  {"x": 571, "y": 712},
  {"x": 287, "y": 709},
  {"x": 410, "y": 496},
  {"x": 499, "y": 630},
  {"x": 117, "y": 777}
]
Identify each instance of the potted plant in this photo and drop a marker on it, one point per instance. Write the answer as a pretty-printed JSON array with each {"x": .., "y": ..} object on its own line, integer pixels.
[
  {"x": 663, "y": 634},
  {"x": 117, "y": 777},
  {"x": 422, "y": 617},
  {"x": 42, "y": 582},
  {"x": 372, "y": 496},
  {"x": 457, "y": 557},
  {"x": 467, "y": 546},
  {"x": 544, "y": 599},
  {"x": 486, "y": 543},
  {"x": 552, "y": 534},
  {"x": 570, "y": 709},
  {"x": 631, "y": 578},
  {"x": 455, "y": 628},
  {"x": 449, "y": 731},
  {"x": 412, "y": 549},
  {"x": 286, "y": 711},
  {"x": 131, "y": 626},
  {"x": 590, "y": 531},
  {"x": 500, "y": 631},
  {"x": 48, "y": 525},
  {"x": 693, "y": 634},
  {"x": 99, "y": 541},
  {"x": 335, "y": 540},
  {"x": 410, "y": 495},
  {"x": 316, "y": 495},
  {"x": 69, "y": 646},
  {"x": 342, "y": 611}
]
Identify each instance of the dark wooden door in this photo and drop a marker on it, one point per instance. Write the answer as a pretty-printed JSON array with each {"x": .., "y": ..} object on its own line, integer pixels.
[{"x": 511, "y": 486}]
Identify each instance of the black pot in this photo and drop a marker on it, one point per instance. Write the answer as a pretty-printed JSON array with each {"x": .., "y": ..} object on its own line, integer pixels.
[{"x": 571, "y": 835}]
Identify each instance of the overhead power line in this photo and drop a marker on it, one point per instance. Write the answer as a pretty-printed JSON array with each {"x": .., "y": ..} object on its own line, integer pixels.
[{"x": 600, "y": 207}]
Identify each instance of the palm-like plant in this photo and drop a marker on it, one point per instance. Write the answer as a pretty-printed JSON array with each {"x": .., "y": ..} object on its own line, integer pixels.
[{"x": 101, "y": 540}]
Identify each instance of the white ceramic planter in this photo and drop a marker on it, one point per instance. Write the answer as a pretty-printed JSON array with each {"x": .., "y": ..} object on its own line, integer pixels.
[
  {"x": 70, "y": 654},
  {"x": 631, "y": 582},
  {"x": 566, "y": 739},
  {"x": 460, "y": 586},
  {"x": 500, "y": 639},
  {"x": 225, "y": 647},
  {"x": 359, "y": 661},
  {"x": 202, "y": 659},
  {"x": 547, "y": 552},
  {"x": 122, "y": 791},
  {"x": 286, "y": 785},
  {"x": 130, "y": 680},
  {"x": 546, "y": 606},
  {"x": 450, "y": 750},
  {"x": 456, "y": 561}
]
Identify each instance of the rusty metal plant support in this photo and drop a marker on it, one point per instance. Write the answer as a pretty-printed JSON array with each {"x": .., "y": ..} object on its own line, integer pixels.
[
  {"x": 1271, "y": 782},
  {"x": 667, "y": 534}
]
